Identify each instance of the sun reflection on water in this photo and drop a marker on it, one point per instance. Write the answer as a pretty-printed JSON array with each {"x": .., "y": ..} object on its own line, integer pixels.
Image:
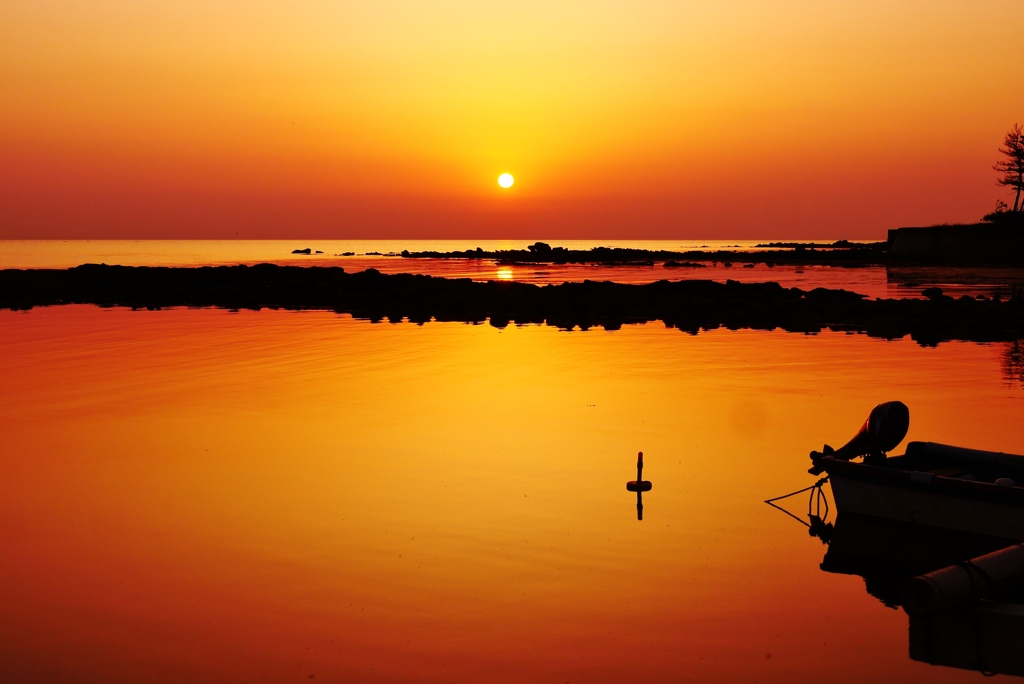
[{"x": 505, "y": 273}]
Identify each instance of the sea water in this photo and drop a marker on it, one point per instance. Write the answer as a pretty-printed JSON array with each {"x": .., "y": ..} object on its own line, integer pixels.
[{"x": 205, "y": 496}]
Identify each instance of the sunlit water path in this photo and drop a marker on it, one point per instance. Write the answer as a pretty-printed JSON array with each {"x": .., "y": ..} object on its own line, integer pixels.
[{"x": 195, "y": 495}]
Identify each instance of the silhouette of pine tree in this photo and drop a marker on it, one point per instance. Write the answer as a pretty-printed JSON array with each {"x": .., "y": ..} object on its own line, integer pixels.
[{"x": 1011, "y": 169}]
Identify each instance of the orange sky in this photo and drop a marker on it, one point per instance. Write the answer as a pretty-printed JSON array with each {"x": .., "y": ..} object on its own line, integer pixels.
[{"x": 317, "y": 118}]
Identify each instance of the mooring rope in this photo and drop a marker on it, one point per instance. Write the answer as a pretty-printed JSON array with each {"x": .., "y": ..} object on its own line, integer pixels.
[{"x": 816, "y": 497}]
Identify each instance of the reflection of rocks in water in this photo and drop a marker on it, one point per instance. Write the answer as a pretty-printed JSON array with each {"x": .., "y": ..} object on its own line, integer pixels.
[
  {"x": 1013, "y": 362},
  {"x": 957, "y": 281},
  {"x": 687, "y": 305}
]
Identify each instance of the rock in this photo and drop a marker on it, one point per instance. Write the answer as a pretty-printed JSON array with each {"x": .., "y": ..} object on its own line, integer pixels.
[{"x": 687, "y": 305}]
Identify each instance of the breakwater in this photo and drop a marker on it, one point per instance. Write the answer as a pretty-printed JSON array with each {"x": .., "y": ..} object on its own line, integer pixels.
[{"x": 691, "y": 305}]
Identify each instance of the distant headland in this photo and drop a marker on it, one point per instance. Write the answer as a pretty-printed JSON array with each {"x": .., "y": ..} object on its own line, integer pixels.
[
  {"x": 983, "y": 243},
  {"x": 997, "y": 239},
  {"x": 838, "y": 253},
  {"x": 972, "y": 243}
]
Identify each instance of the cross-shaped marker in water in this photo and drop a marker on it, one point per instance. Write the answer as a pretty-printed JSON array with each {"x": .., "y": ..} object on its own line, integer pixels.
[{"x": 639, "y": 485}]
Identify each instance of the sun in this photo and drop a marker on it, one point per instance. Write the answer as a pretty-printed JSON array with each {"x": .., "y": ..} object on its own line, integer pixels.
[{"x": 506, "y": 180}]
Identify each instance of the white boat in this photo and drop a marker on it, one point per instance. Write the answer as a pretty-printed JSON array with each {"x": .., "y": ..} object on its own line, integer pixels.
[
  {"x": 931, "y": 485},
  {"x": 934, "y": 485}
]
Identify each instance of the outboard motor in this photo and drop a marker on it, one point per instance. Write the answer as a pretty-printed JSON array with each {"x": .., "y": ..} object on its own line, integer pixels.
[{"x": 882, "y": 432}]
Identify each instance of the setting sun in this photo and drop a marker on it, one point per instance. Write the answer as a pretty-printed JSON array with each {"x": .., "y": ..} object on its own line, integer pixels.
[{"x": 506, "y": 180}]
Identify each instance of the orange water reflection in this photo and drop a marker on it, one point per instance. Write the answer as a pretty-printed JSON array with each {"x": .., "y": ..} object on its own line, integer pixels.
[{"x": 205, "y": 496}]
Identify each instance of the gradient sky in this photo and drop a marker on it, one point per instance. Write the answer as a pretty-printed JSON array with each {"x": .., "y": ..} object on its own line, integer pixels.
[{"x": 656, "y": 119}]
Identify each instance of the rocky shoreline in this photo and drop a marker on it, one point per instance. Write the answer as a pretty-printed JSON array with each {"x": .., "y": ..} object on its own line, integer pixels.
[
  {"x": 841, "y": 253},
  {"x": 690, "y": 305}
]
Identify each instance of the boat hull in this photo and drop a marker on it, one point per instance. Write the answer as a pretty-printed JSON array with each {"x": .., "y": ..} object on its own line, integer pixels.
[{"x": 928, "y": 501}]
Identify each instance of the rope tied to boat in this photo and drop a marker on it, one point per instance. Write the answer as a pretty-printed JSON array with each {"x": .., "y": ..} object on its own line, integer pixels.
[
  {"x": 816, "y": 502},
  {"x": 967, "y": 566}
]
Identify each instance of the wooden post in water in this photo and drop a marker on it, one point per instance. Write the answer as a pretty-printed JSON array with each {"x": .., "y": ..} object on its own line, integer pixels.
[{"x": 639, "y": 485}]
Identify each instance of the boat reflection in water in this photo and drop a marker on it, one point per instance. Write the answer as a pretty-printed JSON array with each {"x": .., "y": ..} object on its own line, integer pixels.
[
  {"x": 983, "y": 634},
  {"x": 962, "y": 583}
]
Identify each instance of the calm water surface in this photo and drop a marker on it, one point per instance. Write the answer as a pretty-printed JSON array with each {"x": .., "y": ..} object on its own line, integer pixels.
[
  {"x": 873, "y": 281},
  {"x": 195, "y": 495}
]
